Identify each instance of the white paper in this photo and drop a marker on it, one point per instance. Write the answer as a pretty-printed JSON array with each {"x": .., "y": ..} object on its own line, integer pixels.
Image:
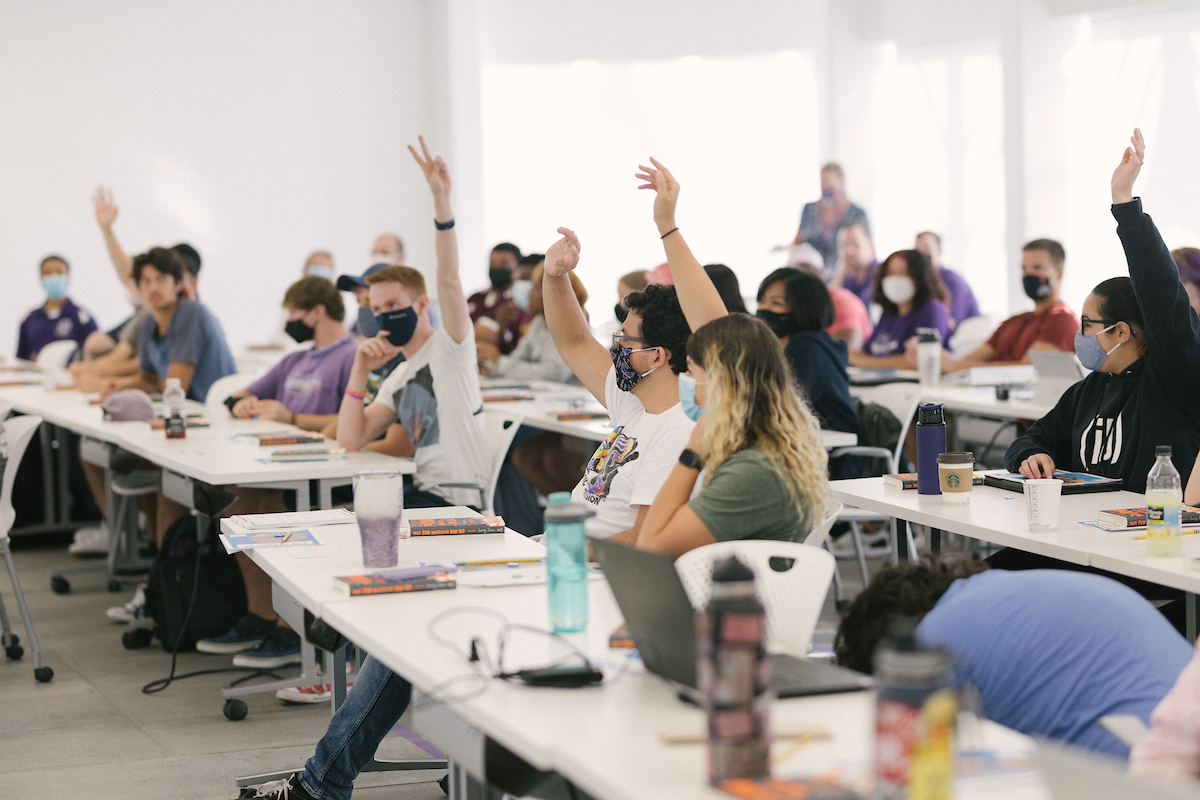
[{"x": 293, "y": 519}]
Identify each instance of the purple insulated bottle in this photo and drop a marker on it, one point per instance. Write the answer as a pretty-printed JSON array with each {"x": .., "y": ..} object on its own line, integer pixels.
[{"x": 931, "y": 443}]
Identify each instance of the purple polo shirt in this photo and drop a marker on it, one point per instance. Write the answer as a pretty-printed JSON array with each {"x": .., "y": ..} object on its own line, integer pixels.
[
  {"x": 892, "y": 331},
  {"x": 864, "y": 288},
  {"x": 309, "y": 381},
  {"x": 961, "y": 299},
  {"x": 39, "y": 329}
]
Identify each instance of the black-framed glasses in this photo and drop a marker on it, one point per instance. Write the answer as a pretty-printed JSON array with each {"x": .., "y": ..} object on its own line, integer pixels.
[
  {"x": 621, "y": 336},
  {"x": 1103, "y": 323}
]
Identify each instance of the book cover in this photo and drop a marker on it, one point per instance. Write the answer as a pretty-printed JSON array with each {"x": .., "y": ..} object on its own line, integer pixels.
[
  {"x": 158, "y": 423},
  {"x": 506, "y": 398},
  {"x": 235, "y": 542},
  {"x": 908, "y": 480},
  {"x": 620, "y": 639},
  {"x": 451, "y": 526},
  {"x": 783, "y": 789},
  {"x": 395, "y": 581},
  {"x": 299, "y": 437},
  {"x": 572, "y": 416},
  {"x": 1073, "y": 482},
  {"x": 1136, "y": 517},
  {"x": 316, "y": 454}
]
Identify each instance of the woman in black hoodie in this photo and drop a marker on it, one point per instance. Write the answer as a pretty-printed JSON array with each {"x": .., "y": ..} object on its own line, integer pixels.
[{"x": 1141, "y": 338}]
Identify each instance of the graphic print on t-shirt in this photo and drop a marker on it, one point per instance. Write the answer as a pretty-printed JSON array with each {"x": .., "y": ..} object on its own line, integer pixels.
[
  {"x": 616, "y": 451},
  {"x": 416, "y": 408},
  {"x": 1101, "y": 441}
]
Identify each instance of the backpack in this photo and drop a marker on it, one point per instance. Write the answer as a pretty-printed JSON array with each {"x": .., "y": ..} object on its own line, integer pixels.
[
  {"x": 880, "y": 428},
  {"x": 220, "y": 593}
]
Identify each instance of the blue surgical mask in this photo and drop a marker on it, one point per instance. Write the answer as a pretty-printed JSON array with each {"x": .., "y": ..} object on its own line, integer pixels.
[
  {"x": 55, "y": 286},
  {"x": 321, "y": 271},
  {"x": 399, "y": 324},
  {"x": 687, "y": 397},
  {"x": 366, "y": 322},
  {"x": 1089, "y": 351},
  {"x": 520, "y": 294}
]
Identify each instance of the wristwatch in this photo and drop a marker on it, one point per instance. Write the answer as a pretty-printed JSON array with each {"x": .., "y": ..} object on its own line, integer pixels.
[{"x": 690, "y": 459}]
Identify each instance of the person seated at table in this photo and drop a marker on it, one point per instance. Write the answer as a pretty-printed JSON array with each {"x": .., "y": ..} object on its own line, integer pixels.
[
  {"x": 627, "y": 284},
  {"x": 959, "y": 297},
  {"x": 56, "y": 319},
  {"x": 320, "y": 264},
  {"x": 1170, "y": 750},
  {"x": 726, "y": 281},
  {"x": 912, "y": 297},
  {"x": 496, "y": 317},
  {"x": 754, "y": 454},
  {"x": 856, "y": 267},
  {"x": 1141, "y": 339},
  {"x": 1050, "y": 326},
  {"x": 1050, "y": 652},
  {"x": 535, "y": 356},
  {"x": 851, "y": 319}
]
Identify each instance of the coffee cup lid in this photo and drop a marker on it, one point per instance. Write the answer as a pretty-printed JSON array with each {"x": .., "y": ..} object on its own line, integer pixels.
[{"x": 956, "y": 458}]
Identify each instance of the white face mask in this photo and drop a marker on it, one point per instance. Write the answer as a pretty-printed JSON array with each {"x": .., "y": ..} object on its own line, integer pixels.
[
  {"x": 321, "y": 271},
  {"x": 898, "y": 288}
]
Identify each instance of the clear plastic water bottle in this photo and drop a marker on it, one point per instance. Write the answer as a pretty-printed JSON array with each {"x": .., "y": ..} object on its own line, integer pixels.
[
  {"x": 567, "y": 563},
  {"x": 1164, "y": 496},
  {"x": 174, "y": 410},
  {"x": 929, "y": 356}
]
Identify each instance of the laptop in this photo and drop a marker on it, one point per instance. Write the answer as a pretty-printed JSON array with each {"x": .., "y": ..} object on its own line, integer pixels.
[
  {"x": 1074, "y": 774},
  {"x": 662, "y": 623},
  {"x": 1056, "y": 372}
]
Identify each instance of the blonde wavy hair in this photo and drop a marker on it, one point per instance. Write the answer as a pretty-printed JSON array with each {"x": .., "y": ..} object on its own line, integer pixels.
[{"x": 752, "y": 401}]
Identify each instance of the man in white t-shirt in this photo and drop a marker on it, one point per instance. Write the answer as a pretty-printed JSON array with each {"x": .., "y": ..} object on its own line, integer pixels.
[
  {"x": 434, "y": 393},
  {"x": 636, "y": 380}
]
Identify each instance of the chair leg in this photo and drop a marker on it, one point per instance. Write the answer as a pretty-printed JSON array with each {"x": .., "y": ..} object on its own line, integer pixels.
[
  {"x": 838, "y": 596},
  {"x": 5, "y": 627},
  {"x": 16, "y": 585},
  {"x": 856, "y": 533},
  {"x": 895, "y": 526},
  {"x": 912, "y": 544}
]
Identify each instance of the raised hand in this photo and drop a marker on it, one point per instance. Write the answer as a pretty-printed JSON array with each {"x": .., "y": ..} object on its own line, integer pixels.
[
  {"x": 563, "y": 255},
  {"x": 435, "y": 169},
  {"x": 106, "y": 209},
  {"x": 1127, "y": 171},
  {"x": 666, "y": 193}
]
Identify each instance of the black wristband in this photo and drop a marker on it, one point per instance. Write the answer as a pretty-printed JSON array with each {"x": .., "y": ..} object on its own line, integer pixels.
[
  {"x": 691, "y": 459},
  {"x": 668, "y": 233},
  {"x": 443, "y": 226},
  {"x": 230, "y": 402}
]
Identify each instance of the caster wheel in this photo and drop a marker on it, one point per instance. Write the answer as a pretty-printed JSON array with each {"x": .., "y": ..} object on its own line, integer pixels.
[
  {"x": 14, "y": 639},
  {"x": 14, "y": 652},
  {"x": 43, "y": 674},
  {"x": 60, "y": 585},
  {"x": 136, "y": 638},
  {"x": 235, "y": 709},
  {"x": 114, "y": 586}
]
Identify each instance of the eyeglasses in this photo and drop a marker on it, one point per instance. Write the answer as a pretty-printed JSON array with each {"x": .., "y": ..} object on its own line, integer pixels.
[
  {"x": 620, "y": 336},
  {"x": 1104, "y": 323}
]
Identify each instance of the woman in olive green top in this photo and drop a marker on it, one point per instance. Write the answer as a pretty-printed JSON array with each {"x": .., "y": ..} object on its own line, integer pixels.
[{"x": 755, "y": 438}]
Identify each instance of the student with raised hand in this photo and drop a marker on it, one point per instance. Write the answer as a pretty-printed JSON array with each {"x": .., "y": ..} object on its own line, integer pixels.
[
  {"x": 1141, "y": 339},
  {"x": 635, "y": 380},
  {"x": 434, "y": 393},
  {"x": 1049, "y": 651},
  {"x": 911, "y": 295},
  {"x": 754, "y": 452},
  {"x": 58, "y": 317}
]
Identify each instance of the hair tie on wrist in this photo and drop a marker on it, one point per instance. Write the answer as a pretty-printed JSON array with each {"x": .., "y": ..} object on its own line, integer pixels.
[
  {"x": 355, "y": 395},
  {"x": 668, "y": 233},
  {"x": 443, "y": 226}
]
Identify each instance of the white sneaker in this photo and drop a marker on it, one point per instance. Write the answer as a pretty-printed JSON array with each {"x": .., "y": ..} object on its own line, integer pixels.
[
  {"x": 132, "y": 611},
  {"x": 90, "y": 542}
]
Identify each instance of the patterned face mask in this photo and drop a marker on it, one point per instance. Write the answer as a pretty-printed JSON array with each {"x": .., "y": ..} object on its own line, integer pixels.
[{"x": 627, "y": 376}]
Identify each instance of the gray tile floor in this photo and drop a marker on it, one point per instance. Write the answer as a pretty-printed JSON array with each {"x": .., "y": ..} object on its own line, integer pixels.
[{"x": 92, "y": 732}]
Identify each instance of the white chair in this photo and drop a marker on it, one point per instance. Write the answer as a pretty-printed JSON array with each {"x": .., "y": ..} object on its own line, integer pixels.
[
  {"x": 498, "y": 434},
  {"x": 793, "y": 598},
  {"x": 5, "y": 410},
  {"x": 18, "y": 432},
  {"x": 214, "y": 402},
  {"x": 971, "y": 333},
  {"x": 56, "y": 355}
]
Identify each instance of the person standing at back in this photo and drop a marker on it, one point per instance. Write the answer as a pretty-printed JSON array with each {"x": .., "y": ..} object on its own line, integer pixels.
[{"x": 58, "y": 317}]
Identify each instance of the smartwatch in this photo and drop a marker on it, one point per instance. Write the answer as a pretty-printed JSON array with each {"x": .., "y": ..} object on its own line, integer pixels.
[{"x": 690, "y": 459}]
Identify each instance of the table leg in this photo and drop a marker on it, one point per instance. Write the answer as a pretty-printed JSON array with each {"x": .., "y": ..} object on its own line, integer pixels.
[
  {"x": 64, "y": 484},
  {"x": 902, "y": 540},
  {"x": 935, "y": 541},
  {"x": 1189, "y": 602}
]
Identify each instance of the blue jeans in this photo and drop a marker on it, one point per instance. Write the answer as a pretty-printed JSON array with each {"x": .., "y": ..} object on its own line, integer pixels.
[{"x": 373, "y": 705}]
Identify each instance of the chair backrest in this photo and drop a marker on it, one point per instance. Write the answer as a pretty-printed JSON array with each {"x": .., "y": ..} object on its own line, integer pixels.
[
  {"x": 55, "y": 355},
  {"x": 901, "y": 399},
  {"x": 214, "y": 402},
  {"x": 5, "y": 410},
  {"x": 18, "y": 431},
  {"x": 820, "y": 533},
  {"x": 499, "y": 431},
  {"x": 793, "y": 598},
  {"x": 971, "y": 333}
]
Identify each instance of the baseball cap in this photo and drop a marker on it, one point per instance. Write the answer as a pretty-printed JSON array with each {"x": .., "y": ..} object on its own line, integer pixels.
[{"x": 348, "y": 283}]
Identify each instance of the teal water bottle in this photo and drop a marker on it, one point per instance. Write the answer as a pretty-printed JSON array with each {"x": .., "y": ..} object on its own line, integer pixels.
[{"x": 566, "y": 563}]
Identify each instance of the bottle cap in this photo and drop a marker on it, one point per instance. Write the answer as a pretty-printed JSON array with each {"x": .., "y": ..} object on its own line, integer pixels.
[
  {"x": 1163, "y": 450},
  {"x": 931, "y": 414},
  {"x": 566, "y": 513},
  {"x": 956, "y": 458},
  {"x": 925, "y": 335},
  {"x": 173, "y": 382},
  {"x": 558, "y": 498}
]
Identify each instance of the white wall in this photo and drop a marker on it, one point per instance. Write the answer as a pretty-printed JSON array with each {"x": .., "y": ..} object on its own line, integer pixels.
[{"x": 257, "y": 131}]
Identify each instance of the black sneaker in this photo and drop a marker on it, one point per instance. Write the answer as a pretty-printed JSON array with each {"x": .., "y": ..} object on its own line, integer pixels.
[
  {"x": 245, "y": 634},
  {"x": 290, "y": 789},
  {"x": 278, "y": 648}
]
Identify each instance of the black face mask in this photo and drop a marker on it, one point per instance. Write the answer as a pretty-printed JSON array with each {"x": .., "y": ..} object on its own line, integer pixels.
[
  {"x": 621, "y": 313},
  {"x": 399, "y": 324},
  {"x": 1036, "y": 287},
  {"x": 780, "y": 324},
  {"x": 299, "y": 331},
  {"x": 501, "y": 278}
]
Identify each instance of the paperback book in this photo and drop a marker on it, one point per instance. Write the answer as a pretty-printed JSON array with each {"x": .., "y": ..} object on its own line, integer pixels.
[
  {"x": 452, "y": 526},
  {"x": 395, "y": 581}
]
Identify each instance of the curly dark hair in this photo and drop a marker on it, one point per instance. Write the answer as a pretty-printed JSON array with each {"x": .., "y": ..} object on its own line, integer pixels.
[
  {"x": 165, "y": 260},
  {"x": 926, "y": 279},
  {"x": 663, "y": 323},
  {"x": 909, "y": 590}
]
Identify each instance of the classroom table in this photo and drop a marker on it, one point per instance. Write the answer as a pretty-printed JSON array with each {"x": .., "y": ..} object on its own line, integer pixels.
[
  {"x": 981, "y": 401},
  {"x": 604, "y": 740}
]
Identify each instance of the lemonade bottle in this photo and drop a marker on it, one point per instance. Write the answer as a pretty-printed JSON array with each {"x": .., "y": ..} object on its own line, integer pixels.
[{"x": 1163, "y": 499}]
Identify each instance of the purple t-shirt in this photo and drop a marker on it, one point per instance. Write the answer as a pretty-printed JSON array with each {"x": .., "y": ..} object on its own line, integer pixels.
[
  {"x": 39, "y": 329},
  {"x": 892, "y": 331},
  {"x": 962, "y": 299},
  {"x": 864, "y": 288},
  {"x": 310, "y": 381}
]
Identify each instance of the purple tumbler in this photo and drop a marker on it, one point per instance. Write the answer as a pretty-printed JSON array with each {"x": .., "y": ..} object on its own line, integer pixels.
[{"x": 379, "y": 507}]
